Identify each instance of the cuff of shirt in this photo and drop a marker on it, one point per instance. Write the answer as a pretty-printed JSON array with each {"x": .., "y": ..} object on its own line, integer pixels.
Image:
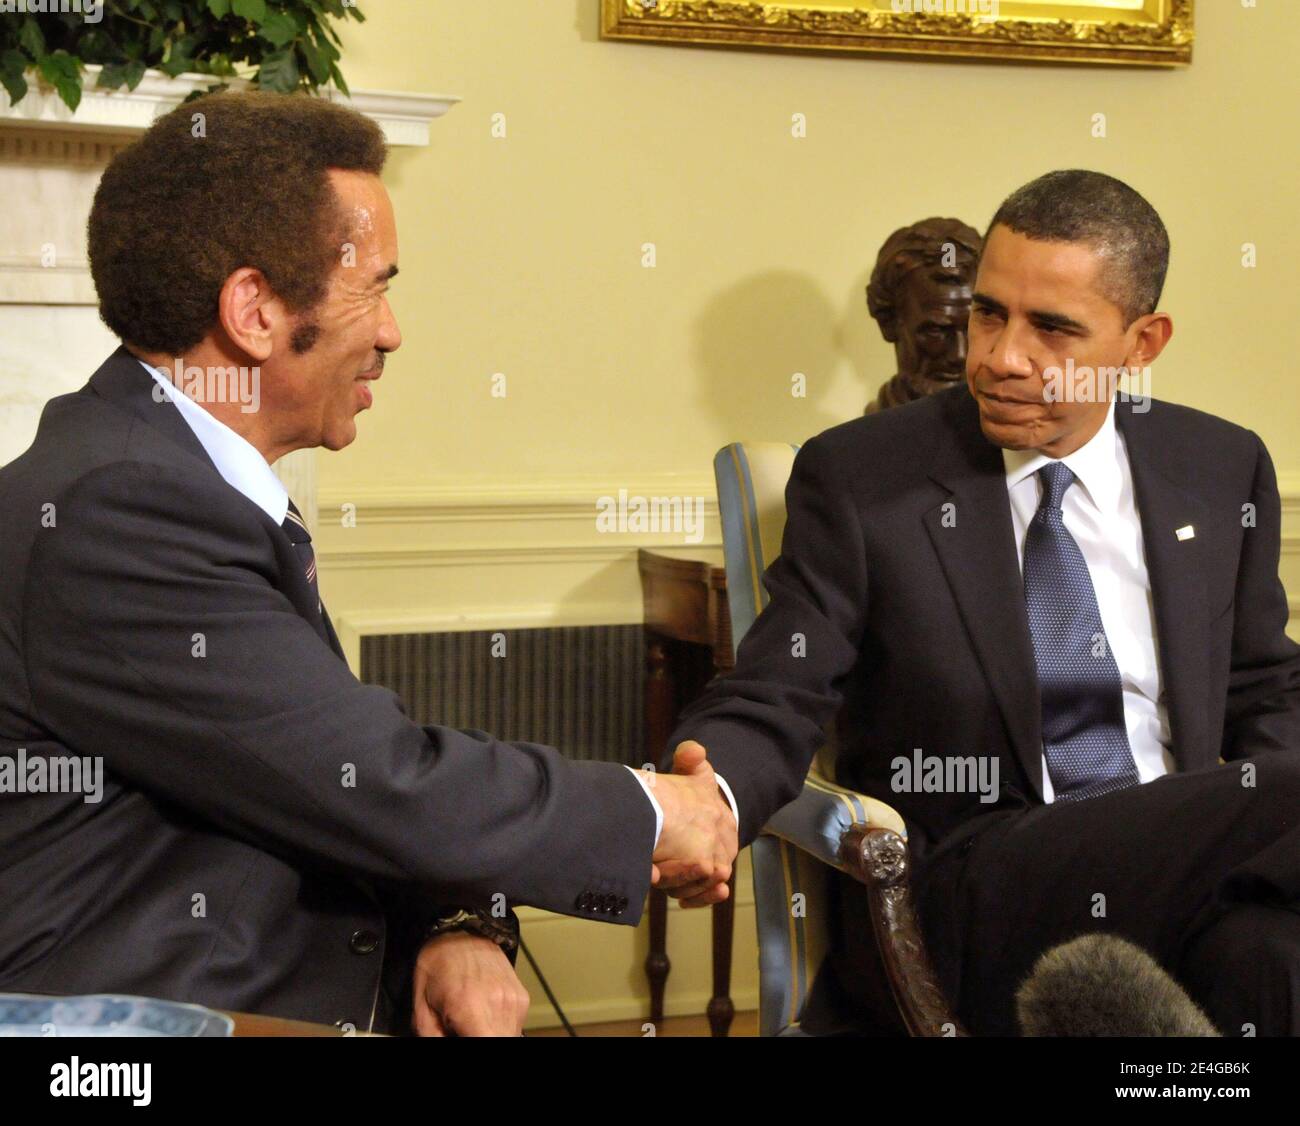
[
  {"x": 659, "y": 813},
  {"x": 731, "y": 798}
]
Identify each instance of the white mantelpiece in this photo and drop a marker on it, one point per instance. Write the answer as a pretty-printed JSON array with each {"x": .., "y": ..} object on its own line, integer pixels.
[{"x": 404, "y": 118}]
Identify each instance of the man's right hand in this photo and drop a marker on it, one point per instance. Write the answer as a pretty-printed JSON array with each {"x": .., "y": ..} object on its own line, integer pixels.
[{"x": 698, "y": 844}]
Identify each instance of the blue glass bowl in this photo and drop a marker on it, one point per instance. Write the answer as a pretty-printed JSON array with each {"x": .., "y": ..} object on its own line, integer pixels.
[{"x": 104, "y": 1014}]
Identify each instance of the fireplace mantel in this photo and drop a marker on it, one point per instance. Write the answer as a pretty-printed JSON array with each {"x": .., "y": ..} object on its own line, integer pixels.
[{"x": 404, "y": 118}]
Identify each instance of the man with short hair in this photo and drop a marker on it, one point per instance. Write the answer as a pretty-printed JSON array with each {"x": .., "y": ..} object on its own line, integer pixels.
[
  {"x": 273, "y": 836},
  {"x": 1075, "y": 588}
]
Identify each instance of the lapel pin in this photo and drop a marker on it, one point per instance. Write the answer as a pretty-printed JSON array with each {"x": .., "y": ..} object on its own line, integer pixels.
[{"x": 1186, "y": 532}]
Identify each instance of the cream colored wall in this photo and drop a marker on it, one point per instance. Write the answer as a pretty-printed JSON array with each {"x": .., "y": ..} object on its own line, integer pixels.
[{"x": 522, "y": 255}]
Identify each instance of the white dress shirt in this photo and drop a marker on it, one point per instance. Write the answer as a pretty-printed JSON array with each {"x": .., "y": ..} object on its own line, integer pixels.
[
  {"x": 1100, "y": 513},
  {"x": 246, "y": 471},
  {"x": 236, "y": 459}
]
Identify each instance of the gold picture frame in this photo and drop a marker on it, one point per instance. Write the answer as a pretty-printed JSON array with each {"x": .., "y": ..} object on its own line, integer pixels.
[{"x": 1132, "y": 32}]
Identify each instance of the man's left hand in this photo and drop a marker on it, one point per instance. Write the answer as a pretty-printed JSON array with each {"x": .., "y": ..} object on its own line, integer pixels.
[{"x": 466, "y": 986}]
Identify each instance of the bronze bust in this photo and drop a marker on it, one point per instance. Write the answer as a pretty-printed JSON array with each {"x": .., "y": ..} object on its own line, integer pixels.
[{"x": 919, "y": 295}]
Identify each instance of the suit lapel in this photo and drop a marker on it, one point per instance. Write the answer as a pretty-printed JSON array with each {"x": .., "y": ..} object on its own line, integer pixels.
[
  {"x": 123, "y": 381},
  {"x": 973, "y": 537},
  {"x": 1176, "y": 570},
  {"x": 331, "y": 636}
]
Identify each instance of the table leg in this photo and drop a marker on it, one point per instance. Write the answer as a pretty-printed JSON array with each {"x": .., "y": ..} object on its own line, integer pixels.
[
  {"x": 657, "y": 964},
  {"x": 721, "y": 1009},
  {"x": 660, "y": 711}
]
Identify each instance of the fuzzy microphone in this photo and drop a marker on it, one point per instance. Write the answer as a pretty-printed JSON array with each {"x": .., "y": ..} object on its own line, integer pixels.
[{"x": 1101, "y": 985}]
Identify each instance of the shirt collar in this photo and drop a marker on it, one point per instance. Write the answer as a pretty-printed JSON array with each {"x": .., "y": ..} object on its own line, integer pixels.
[
  {"x": 1096, "y": 464},
  {"x": 236, "y": 459}
]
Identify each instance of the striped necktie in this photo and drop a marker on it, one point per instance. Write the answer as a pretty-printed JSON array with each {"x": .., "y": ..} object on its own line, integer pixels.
[
  {"x": 295, "y": 528},
  {"x": 1084, "y": 737}
]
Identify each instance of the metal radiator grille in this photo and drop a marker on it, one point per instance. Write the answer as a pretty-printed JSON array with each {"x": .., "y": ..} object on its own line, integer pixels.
[{"x": 579, "y": 688}]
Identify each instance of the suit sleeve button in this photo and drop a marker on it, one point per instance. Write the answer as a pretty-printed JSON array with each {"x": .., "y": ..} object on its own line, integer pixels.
[{"x": 363, "y": 942}]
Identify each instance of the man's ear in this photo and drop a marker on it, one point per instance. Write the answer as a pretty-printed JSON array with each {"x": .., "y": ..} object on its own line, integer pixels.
[
  {"x": 1150, "y": 335},
  {"x": 247, "y": 310}
]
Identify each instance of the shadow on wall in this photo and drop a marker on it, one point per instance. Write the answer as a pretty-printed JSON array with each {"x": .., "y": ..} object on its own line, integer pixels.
[{"x": 751, "y": 339}]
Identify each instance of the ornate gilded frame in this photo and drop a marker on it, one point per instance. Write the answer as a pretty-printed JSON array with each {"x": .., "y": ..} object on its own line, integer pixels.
[{"x": 1154, "y": 33}]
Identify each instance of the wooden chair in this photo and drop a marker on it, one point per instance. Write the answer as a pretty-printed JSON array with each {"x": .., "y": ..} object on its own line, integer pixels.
[{"x": 827, "y": 827}]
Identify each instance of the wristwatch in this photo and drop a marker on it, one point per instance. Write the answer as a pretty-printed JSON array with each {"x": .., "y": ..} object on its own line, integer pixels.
[{"x": 479, "y": 922}]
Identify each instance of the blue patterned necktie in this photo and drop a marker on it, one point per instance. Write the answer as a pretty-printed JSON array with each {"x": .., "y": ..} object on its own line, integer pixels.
[
  {"x": 296, "y": 530},
  {"x": 1084, "y": 737}
]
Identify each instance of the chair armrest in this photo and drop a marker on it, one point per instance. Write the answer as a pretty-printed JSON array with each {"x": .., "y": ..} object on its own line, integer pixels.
[
  {"x": 866, "y": 839},
  {"x": 818, "y": 818}
]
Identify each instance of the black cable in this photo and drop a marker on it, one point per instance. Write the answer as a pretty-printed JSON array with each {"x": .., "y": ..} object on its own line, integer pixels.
[{"x": 546, "y": 988}]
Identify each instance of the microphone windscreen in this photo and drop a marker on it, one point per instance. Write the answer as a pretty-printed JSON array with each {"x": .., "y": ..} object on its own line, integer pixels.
[{"x": 1103, "y": 985}]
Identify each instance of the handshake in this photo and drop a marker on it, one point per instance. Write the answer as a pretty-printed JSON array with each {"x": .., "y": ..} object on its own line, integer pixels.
[{"x": 699, "y": 840}]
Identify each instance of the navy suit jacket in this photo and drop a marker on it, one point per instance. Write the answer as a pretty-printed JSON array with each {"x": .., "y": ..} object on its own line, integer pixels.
[
  {"x": 273, "y": 834},
  {"x": 915, "y": 629}
]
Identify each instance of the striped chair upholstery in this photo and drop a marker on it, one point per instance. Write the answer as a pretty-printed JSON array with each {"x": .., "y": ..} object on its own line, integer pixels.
[{"x": 799, "y": 846}]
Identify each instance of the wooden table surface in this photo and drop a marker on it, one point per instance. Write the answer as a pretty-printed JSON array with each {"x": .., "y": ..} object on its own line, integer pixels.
[{"x": 253, "y": 1024}]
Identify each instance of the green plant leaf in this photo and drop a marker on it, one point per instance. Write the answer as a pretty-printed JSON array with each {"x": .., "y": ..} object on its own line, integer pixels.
[
  {"x": 279, "y": 72},
  {"x": 252, "y": 10},
  {"x": 337, "y": 75},
  {"x": 59, "y": 65},
  {"x": 181, "y": 56},
  {"x": 12, "y": 65},
  {"x": 220, "y": 64},
  {"x": 111, "y": 77},
  {"x": 318, "y": 64},
  {"x": 278, "y": 29},
  {"x": 63, "y": 72},
  {"x": 134, "y": 72},
  {"x": 31, "y": 39},
  {"x": 15, "y": 86},
  {"x": 326, "y": 47},
  {"x": 328, "y": 29},
  {"x": 94, "y": 45},
  {"x": 288, "y": 45}
]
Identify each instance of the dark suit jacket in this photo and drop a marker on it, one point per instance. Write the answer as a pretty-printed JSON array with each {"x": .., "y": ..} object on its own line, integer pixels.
[
  {"x": 232, "y": 861},
  {"x": 917, "y": 634}
]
